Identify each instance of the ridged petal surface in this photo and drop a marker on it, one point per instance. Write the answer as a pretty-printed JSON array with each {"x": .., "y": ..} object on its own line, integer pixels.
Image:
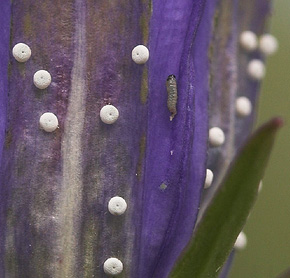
[
  {"x": 230, "y": 80},
  {"x": 4, "y": 59},
  {"x": 55, "y": 187},
  {"x": 176, "y": 151}
]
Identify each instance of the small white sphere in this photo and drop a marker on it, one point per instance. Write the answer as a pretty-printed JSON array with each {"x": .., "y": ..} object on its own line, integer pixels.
[
  {"x": 113, "y": 266},
  {"x": 268, "y": 44},
  {"x": 140, "y": 54},
  {"x": 208, "y": 178},
  {"x": 42, "y": 79},
  {"x": 243, "y": 106},
  {"x": 216, "y": 136},
  {"x": 249, "y": 41},
  {"x": 260, "y": 186},
  {"x": 117, "y": 205},
  {"x": 21, "y": 52},
  {"x": 109, "y": 114},
  {"x": 241, "y": 241},
  {"x": 256, "y": 69},
  {"x": 48, "y": 122}
]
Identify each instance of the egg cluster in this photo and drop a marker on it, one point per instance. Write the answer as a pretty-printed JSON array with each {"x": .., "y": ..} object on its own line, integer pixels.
[
  {"x": 249, "y": 42},
  {"x": 109, "y": 114},
  {"x": 263, "y": 46},
  {"x": 41, "y": 79},
  {"x": 117, "y": 205}
]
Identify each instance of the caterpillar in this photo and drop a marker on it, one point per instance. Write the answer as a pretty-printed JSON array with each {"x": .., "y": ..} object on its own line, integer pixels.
[{"x": 171, "y": 86}]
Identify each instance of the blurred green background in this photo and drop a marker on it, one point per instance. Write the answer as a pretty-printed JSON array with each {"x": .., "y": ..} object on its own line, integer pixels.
[{"x": 268, "y": 228}]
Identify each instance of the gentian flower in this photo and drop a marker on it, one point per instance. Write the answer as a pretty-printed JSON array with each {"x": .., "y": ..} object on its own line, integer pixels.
[{"x": 103, "y": 168}]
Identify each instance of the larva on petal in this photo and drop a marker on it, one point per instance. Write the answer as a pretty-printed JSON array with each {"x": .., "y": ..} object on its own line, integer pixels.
[{"x": 172, "y": 95}]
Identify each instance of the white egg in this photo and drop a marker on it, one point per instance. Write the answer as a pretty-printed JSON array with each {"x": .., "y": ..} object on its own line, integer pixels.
[
  {"x": 117, "y": 205},
  {"x": 109, "y": 114},
  {"x": 243, "y": 106},
  {"x": 248, "y": 41},
  {"x": 42, "y": 79},
  {"x": 216, "y": 137},
  {"x": 140, "y": 54},
  {"x": 48, "y": 122},
  {"x": 21, "y": 52},
  {"x": 113, "y": 266},
  {"x": 268, "y": 44},
  {"x": 256, "y": 69},
  {"x": 241, "y": 241},
  {"x": 208, "y": 178}
]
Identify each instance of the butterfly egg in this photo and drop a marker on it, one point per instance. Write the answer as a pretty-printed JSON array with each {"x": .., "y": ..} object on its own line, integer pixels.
[
  {"x": 260, "y": 186},
  {"x": 117, "y": 205},
  {"x": 21, "y": 52},
  {"x": 208, "y": 178},
  {"x": 241, "y": 241},
  {"x": 48, "y": 122},
  {"x": 42, "y": 79},
  {"x": 109, "y": 114},
  {"x": 243, "y": 106},
  {"x": 248, "y": 41},
  {"x": 268, "y": 44},
  {"x": 256, "y": 69},
  {"x": 113, "y": 266},
  {"x": 216, "y": 137},
  {"x": 140, "y": 54}
]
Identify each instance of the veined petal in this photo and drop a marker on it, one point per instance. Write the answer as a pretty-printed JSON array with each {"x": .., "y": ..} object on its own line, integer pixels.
[
  {"x": 223, "y": 88},
  {"x": 230, "y": 80},
  {"x": 4, "y": 59},
  {"x": 56, "y": 186},
  {"x": 254, "y": 16},
  {"x": 176, "y": 151}
]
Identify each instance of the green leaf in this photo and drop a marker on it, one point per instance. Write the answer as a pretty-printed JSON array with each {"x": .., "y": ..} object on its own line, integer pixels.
[{"x": 225, "y": 217}]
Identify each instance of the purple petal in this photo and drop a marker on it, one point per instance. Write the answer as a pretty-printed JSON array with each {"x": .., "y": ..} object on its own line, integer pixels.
[
  {"x": 252, "y": 15},
  {"x": 229, "y": 80},
  {"x": 55, "y": 187},
  {"x": 227, "y": 266},
  {"x": 176, "y": 155},
  {"x": 4, "y": 59}
]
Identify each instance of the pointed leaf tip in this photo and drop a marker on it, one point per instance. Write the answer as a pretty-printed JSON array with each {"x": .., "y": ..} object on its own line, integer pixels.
[
  {"x": 226, "y": 215},
  {"x": 285, "y": 274},
  {"x": 274, "y": 123}
]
